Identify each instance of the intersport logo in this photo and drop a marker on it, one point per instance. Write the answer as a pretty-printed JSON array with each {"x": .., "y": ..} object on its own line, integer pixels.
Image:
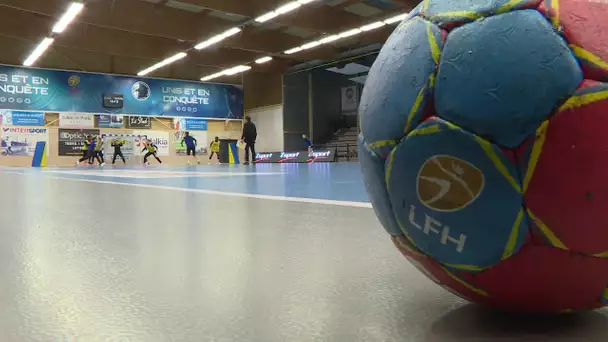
[{"x": 25, "y": 130}]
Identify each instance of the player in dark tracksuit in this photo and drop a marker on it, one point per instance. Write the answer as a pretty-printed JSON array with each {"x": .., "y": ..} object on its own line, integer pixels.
[
  {"x": 94, "y": 152},
  {"x": 117, "y": 144},
  {"x": 190, "y": 142},
  {"x": 250, "y": 133},
  {"x": 85, "y": 150}
]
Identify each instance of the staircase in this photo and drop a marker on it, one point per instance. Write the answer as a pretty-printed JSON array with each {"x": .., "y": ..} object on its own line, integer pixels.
[{"x": 344, "y": 142}]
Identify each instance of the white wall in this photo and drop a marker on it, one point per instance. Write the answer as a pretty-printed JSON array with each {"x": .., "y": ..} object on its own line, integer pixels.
[{"x": 269, "y": 123}]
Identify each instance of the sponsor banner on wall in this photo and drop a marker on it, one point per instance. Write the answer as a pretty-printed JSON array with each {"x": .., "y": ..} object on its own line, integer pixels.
[
  {"x": 202, "y": 144},
  {"x": 17, "y": 141},
  {"x": 159, "y": 138},
  {"x": 67, "y": 91},
  {"x": 109, "y": 121},
  {"x": 22, "y": 118},
  {"x": 76, "y": 120},
  {"x": 72, "y": 140},
  {"x": 129, "y": 142},
  {"x": 139, "y": 122},
  {"x": 350, "y": 98},
  {"x": 296, "y": 157},
  {"x": 190, "y": 124}
]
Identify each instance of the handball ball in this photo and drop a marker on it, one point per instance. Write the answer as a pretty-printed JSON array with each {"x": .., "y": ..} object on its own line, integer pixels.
[{"x": 484, "y": 148}]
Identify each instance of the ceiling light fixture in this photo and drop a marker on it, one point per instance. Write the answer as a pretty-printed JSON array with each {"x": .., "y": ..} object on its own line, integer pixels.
[
  {"x": 288, "y": 7},
  {"x": 210, "y": 77},
  {"x": 294, "y": 50},
  {"x": 237, "y": 69},
  {"x": 38, "y": 51},
  {"x": 263, "y": 60},
  {"x": 372, "y": 26},
  {"x": 349, "y": 33},
  {"x": 68, "y": 17},
  {"x": 396, "y": 19},
  {"x": 228, "y": 72},
  {"x": 310, "y": 45},
  {"x": 165, "y": 62},
  {"x": 346, "y": 34},
  {"x": 218, "y": 38},
  {"x": 329, "y": 39},
  {"x": 266, "y": 17},
  {"x": 231, "y": 32}
]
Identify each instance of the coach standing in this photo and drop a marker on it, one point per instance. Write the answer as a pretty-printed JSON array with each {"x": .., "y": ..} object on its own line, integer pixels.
[{"x": 250, "y": 133}]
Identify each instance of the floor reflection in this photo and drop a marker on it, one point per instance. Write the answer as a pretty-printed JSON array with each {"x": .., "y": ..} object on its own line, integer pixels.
[{"x": 477, "y": 323}]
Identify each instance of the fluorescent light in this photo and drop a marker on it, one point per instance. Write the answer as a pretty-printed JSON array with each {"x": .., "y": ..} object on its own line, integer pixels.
[
  {"x": 163, "y": 63},
  {"x": 68, "y": 16},
  {"x": 38, "y": 51},
  {"x": 349, "y": 33},
  {"x": 310, "y": 45},
  {"x": 266, "y": 17},
  {"x": 396, "y": 19},
  {"x": 288, "y": 7},
  {"x": 217, "y": 38},
  {"x": 236, "y": 70},
  {"x": 304, "y": 2},
  {"x": 294, "y": 50},
  {"x": 231, "y": 32},
  {"x": 228, "y": 72},
  {"x": 209, "y": 42},
  {"x": 329, "y": 39},
  {"x": 210, "y": 77},
  {"x": 372, "y": 26},
  {"x": 263, "y": 60}
]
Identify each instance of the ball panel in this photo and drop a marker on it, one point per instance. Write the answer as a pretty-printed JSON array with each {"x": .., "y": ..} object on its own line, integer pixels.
[
  {"x": 501, "y": 77},
  {"x": 450, "y": 13},
  {"x": 583, "y": 23},
  {"x": 604, "y": 298},
  {"x": 566, "y": 173},
  {"x": 456, "y": 196},
  {"x": 373, "y": 174},
  {"x": 449, "y": 280},
  {"x": 542, "y": 279},
  {"x": 390, "y": 107}
]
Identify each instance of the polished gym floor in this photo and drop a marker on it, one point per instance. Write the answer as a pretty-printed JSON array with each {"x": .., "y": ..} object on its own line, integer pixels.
[{"x": 224, "y": 253}]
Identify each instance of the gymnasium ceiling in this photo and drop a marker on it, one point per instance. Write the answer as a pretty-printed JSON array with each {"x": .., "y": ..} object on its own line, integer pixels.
[{"x": 128, "y": 36}]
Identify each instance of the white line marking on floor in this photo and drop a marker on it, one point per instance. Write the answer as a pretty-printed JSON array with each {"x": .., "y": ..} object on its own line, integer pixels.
[
  {"x": 141, "y": 174},
  {"x": 214, "y": 192}
]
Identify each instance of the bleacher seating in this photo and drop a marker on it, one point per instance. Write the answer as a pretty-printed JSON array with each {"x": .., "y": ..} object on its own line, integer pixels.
[{"x": 345, "y": 144}]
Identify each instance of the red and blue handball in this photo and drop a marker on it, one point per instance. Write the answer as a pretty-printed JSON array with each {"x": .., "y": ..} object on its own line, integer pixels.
[{"x": 484, "y": 148}]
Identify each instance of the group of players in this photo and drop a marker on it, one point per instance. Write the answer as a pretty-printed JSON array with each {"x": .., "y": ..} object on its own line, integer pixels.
[{"x": 93, "y": 150}]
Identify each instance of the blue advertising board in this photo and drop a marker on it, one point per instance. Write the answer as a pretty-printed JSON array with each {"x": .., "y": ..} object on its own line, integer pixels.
[
  {"x": 190, "y": 124},
  {"x": 67, "y": 91},
  {"x": 109, "y": 120},
  {"x": 21, "y": 118}
]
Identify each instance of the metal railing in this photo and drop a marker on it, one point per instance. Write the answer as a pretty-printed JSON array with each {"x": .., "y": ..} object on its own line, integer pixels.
[{"x": 344, "y": 151}]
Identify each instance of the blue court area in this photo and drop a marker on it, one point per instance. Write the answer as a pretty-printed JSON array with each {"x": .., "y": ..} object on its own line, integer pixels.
[{"x": 323, "y": 181}]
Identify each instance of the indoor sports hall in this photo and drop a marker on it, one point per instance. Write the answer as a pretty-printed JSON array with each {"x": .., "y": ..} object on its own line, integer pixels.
[{"x": 247, "y": 170}]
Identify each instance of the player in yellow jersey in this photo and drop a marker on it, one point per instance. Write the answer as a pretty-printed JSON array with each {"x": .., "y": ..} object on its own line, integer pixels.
[
  {"x": 152, "y": 149},
  {"x": 215, "y": 148}
]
